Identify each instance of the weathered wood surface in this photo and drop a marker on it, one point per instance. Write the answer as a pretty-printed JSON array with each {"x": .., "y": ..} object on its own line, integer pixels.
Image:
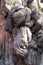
[{"x": 20, "y": 44}]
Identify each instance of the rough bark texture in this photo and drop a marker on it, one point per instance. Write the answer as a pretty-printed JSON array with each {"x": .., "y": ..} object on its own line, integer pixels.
[{"x": 21, "y": 34}]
